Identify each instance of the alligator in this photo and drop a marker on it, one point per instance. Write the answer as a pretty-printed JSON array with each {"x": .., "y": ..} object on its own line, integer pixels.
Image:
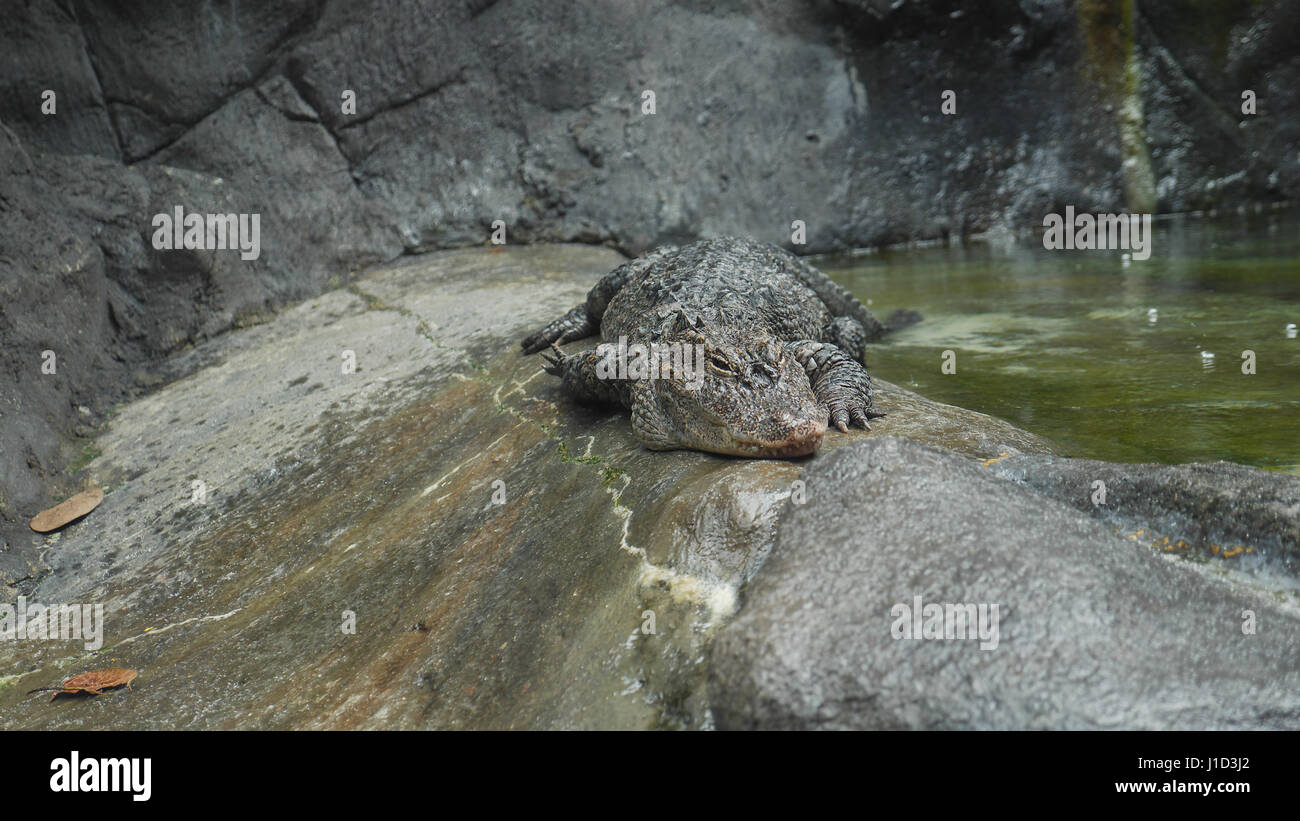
[{"x": 781, "y": 346}]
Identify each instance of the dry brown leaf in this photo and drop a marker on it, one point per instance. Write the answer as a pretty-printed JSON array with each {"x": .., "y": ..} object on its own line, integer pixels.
[
  {"x": 93, "y": 682},
  {"x": 66, "y": 511}
]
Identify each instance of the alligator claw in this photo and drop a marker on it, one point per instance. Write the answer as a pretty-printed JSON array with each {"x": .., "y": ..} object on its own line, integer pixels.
[
  {"x": 846, "y": 390},
  {"x": 554, "y": 359}
]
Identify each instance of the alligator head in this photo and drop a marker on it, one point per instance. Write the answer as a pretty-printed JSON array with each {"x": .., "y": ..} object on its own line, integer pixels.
[{"x": 745, "y": 396}]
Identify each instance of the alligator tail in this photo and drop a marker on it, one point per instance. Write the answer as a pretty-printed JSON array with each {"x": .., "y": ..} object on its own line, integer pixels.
[{"x": 900, "y": 319}]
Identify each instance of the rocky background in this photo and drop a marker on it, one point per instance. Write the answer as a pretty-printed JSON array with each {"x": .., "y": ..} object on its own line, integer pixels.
[{"x": 530, "y": 112}]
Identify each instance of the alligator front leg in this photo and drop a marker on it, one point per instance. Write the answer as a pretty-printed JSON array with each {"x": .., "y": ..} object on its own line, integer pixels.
[
  {"x": 583, "y": 377},
  {"x": 847, "y": 334},
  {"x": 840, "y": 383},
  {"x": 575, "y": 324},
  {"x": 586, "y": 380}
]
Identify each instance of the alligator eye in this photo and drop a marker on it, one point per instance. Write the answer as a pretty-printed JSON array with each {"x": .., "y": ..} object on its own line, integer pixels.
[
  {"x": 722, "y": 365},
  {"x": 765, "y": 373}
]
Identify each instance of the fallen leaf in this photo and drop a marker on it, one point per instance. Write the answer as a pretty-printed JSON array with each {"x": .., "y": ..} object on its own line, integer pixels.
[
  {"x": 67, "y": 511},
  {"x": 93, "y": 682}
]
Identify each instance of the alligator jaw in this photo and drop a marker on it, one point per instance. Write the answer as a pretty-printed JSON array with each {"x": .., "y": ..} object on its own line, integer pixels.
[{"x": 799, "y": 443}]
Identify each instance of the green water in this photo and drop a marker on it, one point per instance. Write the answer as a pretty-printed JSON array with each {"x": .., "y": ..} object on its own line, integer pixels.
[{"x": 1061, "y": 342}]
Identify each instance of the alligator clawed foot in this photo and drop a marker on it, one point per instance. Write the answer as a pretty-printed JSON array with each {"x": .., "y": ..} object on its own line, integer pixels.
[
  {"x": 848, "y": 400},
  {"x": 554, "y": 359}
]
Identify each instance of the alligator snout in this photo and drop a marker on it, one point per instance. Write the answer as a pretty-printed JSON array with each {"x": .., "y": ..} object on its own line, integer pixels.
[{"x": 801, "y": 438}]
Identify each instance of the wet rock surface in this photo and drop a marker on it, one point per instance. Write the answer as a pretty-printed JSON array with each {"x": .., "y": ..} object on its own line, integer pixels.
[
  {"x": 1217, "y": 511},
  {"x": 265, "y": 494},
  {"x": 1095, "y": 630}
]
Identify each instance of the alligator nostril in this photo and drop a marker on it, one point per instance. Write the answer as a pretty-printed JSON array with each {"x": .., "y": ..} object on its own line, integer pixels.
[{"x": 803, "y": 440}]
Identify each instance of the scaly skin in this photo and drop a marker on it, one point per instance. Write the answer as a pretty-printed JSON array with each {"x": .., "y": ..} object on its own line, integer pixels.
[{"x": 782, "y": 346}]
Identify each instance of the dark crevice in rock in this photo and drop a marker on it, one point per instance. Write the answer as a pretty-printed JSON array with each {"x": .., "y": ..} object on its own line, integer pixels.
[
  {"x": 458, "y": 77},
  {"x": 478, "y": 8},
  {"x": 1223, "y": 110},
  {"x": 295, "y": 81},
  {"x": 156, "y": 114},
  {"x": 99, "y": 85},
  {"x": 301, "y": 27}
]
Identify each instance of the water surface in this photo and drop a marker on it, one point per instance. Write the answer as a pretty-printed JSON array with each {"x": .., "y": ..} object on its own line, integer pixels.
[{"x": 1065, "y": 343}]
